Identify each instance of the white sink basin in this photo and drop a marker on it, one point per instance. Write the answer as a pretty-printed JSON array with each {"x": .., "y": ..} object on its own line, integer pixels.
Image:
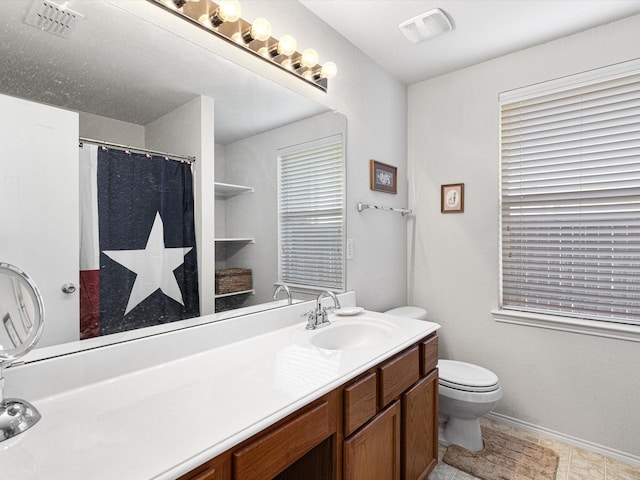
[{"x": 345, "y": 334}]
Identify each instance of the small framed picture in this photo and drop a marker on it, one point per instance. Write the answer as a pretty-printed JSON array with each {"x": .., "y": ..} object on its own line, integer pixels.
[
  {"x": 452, "y": 198},
  {"x": 383, "y": 177}
]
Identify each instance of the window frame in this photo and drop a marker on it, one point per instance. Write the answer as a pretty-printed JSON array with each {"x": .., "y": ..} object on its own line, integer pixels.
[
  {"x": 559, "y": 321},
  {"x": 318, "y": 143}
]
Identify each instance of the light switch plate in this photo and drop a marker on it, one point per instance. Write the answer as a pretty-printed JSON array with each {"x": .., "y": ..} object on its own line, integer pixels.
[{"x": 349, "y": 248}]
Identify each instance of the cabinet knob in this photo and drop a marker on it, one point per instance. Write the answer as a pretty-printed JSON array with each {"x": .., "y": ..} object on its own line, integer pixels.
[{"x": 68, "y": 288}]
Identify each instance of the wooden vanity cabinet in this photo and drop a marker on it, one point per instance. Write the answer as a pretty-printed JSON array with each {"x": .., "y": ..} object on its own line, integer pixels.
[
  {"x": 381, "y": 425},
  {"x": 401, "y": 442}
]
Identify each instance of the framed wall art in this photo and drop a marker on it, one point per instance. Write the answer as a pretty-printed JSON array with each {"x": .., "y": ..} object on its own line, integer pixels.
[
  {"x": 452, "y": 198},
  {"x": 383, "y": 177}
]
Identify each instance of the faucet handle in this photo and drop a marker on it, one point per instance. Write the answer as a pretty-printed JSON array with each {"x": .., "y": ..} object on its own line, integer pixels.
[
  {"x": 324, "y": 316},
  {"x": 311, "y": 319}
]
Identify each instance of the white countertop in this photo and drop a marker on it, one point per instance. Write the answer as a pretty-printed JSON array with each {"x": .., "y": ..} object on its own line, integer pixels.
[{"x": 162, "y": 421}]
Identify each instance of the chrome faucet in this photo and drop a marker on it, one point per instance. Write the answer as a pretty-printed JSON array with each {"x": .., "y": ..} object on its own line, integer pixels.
[
  {"x": 282, "y": 286},
  {"x": 318, "y": 318}
]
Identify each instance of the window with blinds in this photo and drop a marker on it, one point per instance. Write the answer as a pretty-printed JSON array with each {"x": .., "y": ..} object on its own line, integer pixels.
[
  {"x": 570, "y": 191},
  {"x": 311, "y": 214}
]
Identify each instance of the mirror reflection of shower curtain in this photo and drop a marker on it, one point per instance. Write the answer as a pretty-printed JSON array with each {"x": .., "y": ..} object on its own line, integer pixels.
[{"x": 137, "y": 248}]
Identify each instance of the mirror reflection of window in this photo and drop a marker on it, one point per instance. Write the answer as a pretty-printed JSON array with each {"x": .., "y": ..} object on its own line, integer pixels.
[{"x": 311, "y": 214}]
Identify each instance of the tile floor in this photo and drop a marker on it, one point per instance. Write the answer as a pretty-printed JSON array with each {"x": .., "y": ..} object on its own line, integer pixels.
[{"x": 575, "y": 463}]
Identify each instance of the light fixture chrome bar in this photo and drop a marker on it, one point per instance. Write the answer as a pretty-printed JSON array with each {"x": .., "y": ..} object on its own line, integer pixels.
[
  {"x": 239, "y": 32},
  {"x": 363, "y": 206},
  {"x": 146, "y": 151}
]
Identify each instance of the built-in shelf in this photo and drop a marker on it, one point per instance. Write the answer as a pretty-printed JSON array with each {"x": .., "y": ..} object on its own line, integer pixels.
[
  {"x": 227, "y": 190},
  {"x": 228, "y": 246},
  {"x": 243, "y": 292},
  {"x": 235, "y": 240}
]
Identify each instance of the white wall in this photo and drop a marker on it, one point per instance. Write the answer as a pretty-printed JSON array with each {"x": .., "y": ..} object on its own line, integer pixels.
[
  {"x": 106, "y": 129},
  {"x": 583, "y": 386}
]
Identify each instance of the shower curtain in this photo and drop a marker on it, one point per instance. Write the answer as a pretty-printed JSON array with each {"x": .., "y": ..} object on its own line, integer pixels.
[{"x": 138, "y": 257}]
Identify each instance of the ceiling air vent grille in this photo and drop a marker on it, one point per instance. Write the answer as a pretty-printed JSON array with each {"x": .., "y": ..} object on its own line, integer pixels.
[{"x": 53, "y": 18}]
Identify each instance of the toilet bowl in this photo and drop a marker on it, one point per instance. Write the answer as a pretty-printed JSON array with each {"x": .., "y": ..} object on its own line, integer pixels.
[{"x": 466, "y": 393}]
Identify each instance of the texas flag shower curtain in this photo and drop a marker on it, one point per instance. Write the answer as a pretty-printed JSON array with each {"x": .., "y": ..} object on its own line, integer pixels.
[{"x": 137, "y": 248}]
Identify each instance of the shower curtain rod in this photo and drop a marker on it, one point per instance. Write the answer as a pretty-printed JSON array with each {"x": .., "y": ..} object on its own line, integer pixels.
[{"x": 183, "y": 158}]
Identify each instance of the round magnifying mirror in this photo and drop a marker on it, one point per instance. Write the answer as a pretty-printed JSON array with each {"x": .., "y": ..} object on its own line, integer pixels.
[{"x": 21, "y": 322}]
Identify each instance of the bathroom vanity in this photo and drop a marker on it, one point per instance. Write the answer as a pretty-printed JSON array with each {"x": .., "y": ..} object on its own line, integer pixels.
[
  {"x": 383, "y": 424},
  {"x": 256, "y": 398}
]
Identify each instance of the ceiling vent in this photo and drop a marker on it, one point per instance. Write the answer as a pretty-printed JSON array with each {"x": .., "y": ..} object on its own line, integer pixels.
[
  {"x": 53, "y": 18},
  {"x": 425, "y": 26}
]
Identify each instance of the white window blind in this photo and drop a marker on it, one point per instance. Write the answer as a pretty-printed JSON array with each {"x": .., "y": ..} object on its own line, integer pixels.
[
  {"x": 570, "y": 168},
  {"x": 311, "y": 206}
]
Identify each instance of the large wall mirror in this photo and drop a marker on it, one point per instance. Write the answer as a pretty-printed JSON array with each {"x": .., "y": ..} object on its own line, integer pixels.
[{"x": 122, "y": 73}]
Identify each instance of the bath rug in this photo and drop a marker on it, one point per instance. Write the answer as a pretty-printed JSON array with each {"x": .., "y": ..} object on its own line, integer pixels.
[{"x": 505, "y": 457}]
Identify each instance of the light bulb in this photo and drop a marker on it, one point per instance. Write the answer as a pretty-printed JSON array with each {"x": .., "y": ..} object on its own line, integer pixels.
[
  {"x": 260, "y": 30},
  {"x": 329, "y": 70},
  {"x": 309, "y": 58},
  {"x": 237, "y": 37},
  {"x": 174, "y": 4},
  {"x": 287, "y": 45},
  {"x": 227, "y": 11}
]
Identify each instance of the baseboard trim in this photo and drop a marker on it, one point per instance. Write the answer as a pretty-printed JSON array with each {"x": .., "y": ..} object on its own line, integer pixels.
[{"x": 568, "y": 439}]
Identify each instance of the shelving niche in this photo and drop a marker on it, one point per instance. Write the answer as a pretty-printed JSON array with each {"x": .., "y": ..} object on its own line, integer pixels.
[{"x": 227, "y": 246}]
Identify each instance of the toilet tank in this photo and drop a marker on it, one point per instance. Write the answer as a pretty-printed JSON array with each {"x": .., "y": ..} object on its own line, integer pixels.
[{"x": 409, "y": 311}]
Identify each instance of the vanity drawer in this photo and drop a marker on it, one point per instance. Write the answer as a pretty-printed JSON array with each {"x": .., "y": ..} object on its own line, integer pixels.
[
  {"x": 398, "y": 374},
  {"x": 429, "y": 354},
  {"x": 359, "y": 403},
  {"x": 217, "y": 469},
  {"x": 271, "y": 453}
]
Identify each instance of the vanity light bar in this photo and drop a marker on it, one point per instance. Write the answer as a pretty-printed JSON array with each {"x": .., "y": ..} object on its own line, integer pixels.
[{"x": 223, "y": 20}]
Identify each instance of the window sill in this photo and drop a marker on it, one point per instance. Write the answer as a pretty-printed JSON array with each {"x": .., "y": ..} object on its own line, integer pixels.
[{"x": 566, "y": 324}]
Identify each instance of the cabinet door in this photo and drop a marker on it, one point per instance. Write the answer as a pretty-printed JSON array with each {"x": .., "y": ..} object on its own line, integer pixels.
[
  {"x": 373, "y": 453},
  {"x": 420, "y": 428}
]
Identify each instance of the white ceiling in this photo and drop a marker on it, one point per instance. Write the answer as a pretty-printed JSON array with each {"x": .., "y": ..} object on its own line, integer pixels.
[
  {"x": 131, "y": 61},
  {"x": 483, "y": 29}
]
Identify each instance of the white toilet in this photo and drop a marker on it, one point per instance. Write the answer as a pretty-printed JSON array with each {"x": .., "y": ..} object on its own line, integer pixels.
[{"x": 466, "y": 393}]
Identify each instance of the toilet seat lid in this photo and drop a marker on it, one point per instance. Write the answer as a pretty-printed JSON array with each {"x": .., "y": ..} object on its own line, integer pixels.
[{"x": 466, "y": 376}]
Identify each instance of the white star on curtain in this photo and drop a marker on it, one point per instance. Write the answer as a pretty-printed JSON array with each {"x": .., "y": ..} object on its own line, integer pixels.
[{"x": 153, "y": 267}]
